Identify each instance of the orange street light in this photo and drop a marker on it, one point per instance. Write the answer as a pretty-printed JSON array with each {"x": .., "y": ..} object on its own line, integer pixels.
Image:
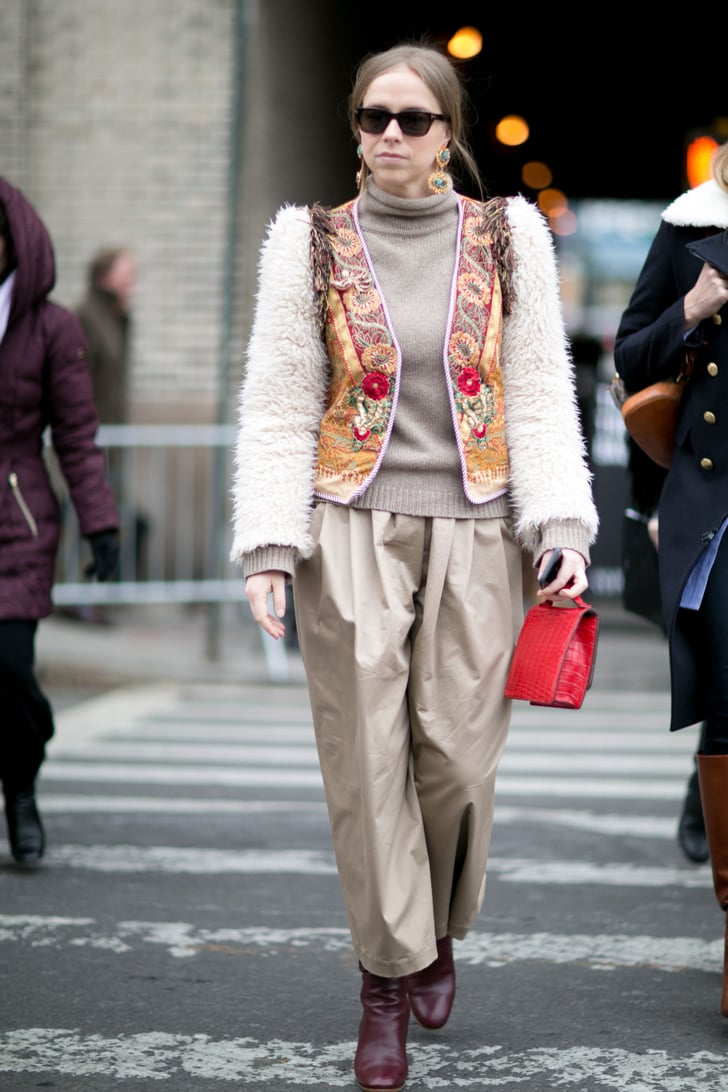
[
  {"x": 512, "y": 130},
  {"x": 465, "y": 43}
]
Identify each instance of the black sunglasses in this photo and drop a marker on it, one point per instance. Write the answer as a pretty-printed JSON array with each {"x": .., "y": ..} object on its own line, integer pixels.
[{"x": 374, "y": 120}]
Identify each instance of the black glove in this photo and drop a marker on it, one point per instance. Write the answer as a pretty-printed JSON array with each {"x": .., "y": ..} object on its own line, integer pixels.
[{"x": 105, "y": 549}]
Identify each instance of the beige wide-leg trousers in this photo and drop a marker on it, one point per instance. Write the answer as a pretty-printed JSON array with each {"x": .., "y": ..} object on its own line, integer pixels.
[{"x": 406, "y": 626}]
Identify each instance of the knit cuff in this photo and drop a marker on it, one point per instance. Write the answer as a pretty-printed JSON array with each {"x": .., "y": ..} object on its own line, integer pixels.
[
  {"x": 268, "y": 559},
  {"x": 569, "y": 533}
]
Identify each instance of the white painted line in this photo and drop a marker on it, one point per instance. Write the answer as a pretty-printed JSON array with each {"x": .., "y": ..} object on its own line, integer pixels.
[
  {"x": 279, "y": 1065},
  {"x": 632, "y": 826},
  {"x": 606, "y": 739},
  {"x": 112, "y": 712},
  {"x": 201, "y": 754},
  {"x": 206, "y": 726},
  {"x": 544, "y": 761},
  {"x": 142, "y": 774},
  {"x": 603, "y": 951},
  {"x": 209, "y": 753},
  {"x": 181, "y": 860},
  {"x": 611, "y": 874},
  {"x": 589, "y": 788},
  {"x": 636, "y": 826},
  {"x": 59, "y": 803},
  {"x": 578, "y": 787},
  {"x": 206, "y": 861},
  {"x": 214, "y": 732}
]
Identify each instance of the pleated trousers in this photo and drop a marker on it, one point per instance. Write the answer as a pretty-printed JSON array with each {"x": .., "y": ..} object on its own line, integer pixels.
[{"x": 406, "y": 626}]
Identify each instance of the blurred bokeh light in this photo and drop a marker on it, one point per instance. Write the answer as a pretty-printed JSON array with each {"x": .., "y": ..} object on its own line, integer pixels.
[
  {"x": 536, "y": 175},
  {"x": 512, "y": 130},
  {"x": 465, "y": 43}
]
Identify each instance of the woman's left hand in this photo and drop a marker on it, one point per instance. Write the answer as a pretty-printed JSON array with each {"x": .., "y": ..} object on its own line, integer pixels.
[{"x": 570, "y": 580}]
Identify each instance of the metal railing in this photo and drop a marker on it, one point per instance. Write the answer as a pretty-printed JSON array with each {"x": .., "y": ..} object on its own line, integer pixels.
[{"x": 168, "y": 481}]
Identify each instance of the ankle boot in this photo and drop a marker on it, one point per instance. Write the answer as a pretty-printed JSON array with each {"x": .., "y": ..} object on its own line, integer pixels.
[
  {"x": 713, "y": 775},
  {"x": 25, "y": 830},
  {"x": 380, "y": 1064},
  {"x": 691, "y": 828},
  {"x": 432, "y": 990}
]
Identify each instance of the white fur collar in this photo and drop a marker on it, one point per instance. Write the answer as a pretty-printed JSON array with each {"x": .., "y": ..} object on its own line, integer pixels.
[{"x": 704, "y": 206}]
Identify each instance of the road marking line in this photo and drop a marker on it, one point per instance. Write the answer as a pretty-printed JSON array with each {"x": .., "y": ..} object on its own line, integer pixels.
[
  {"x": 283, "y": 1064},
  {"x": 206, "y": 861},
  {"x": 603, "y": 951}
]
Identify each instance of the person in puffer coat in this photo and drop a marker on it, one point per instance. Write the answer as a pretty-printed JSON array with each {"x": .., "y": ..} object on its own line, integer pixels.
[{"x": 44, "y": 385}]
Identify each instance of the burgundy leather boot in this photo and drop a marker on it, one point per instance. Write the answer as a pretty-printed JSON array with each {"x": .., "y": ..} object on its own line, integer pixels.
[
  {"x": 380, "y": 1064},
  {"x": 432, "y": 990}
]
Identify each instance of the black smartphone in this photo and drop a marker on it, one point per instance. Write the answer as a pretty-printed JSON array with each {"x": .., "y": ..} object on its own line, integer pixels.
[{"x": 551, "y": 569}]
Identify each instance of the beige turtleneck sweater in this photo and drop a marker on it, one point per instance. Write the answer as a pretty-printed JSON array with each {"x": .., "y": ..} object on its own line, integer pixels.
[{"x": 411, "y": 243}]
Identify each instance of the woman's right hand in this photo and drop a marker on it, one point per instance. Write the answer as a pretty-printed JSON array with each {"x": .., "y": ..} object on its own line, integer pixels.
[
  {"x": 258, "y": 588},
  {"x": 706, "y": 297}
]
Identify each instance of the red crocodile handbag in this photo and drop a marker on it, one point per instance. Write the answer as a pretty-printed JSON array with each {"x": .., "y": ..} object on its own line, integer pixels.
[{"x": 553, "y": 661}]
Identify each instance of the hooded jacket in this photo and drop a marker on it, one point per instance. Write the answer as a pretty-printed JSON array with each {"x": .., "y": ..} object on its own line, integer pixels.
[{"x": 44, "y": 384}]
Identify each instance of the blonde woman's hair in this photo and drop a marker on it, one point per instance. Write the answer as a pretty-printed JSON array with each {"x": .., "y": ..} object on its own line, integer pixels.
[
  {"x": 719, "y": 166},
  {"x": 441, "y": 77}
]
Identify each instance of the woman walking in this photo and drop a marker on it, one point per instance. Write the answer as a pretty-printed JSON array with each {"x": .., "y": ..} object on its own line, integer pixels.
[{"x": 408, "y": 425}]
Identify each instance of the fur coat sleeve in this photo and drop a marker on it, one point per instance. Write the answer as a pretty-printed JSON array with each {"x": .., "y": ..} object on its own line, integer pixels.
[
  {"x": 550, "y": 479},
  {"x": 282, "y": 398}
]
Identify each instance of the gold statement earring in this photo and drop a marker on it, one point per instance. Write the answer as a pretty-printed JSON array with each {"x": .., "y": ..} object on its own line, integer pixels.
[
  {"x": 359, "y": 151},
  {"x": 440, "y": 181}
]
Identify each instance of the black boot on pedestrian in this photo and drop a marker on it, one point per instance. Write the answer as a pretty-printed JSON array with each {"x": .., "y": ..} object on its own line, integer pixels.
[
  {"x": 691, "y": 828},
  {"x": 25, "y": 830}
]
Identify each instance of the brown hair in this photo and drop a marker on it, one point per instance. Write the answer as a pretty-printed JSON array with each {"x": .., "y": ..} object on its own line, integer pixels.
[
  {"x": 441, "y": 77},
  {"x": 102, "y": 261},
  {"x": 719, "y": 166}
]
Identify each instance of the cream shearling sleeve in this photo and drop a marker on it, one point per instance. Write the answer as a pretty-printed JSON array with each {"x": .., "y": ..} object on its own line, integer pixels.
[
  {"x": 550, "y": 477},
  {"x": 282, "y": 398}
]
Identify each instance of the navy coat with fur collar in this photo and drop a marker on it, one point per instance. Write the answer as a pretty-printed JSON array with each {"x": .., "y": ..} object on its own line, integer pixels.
[
  {"x": 650, "y": 346},
  {"x": 44, "y": 382}
]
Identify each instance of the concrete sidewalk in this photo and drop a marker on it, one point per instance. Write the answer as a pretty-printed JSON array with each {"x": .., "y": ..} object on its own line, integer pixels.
[{"x": 179, "y": 643}]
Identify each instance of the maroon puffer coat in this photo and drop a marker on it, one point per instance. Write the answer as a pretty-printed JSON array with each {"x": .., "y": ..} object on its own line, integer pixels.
[{"x": 44, "y": 381}]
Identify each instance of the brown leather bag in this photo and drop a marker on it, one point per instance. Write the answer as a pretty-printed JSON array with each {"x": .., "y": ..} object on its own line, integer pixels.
[{"x": 650, "y": 415}]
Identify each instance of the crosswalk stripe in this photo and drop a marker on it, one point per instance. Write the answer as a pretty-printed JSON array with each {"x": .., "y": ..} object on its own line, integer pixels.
[
  {"x": 193, "y": 741},
  {"x": 609, "y": 824},
  {"x": 185, "y": 940},
  {"x": 637, "y": 787},
  {"x": 258, "y": 754},
  {"x": 159, "y": 1055},
  {"x": 207, "y": 861}
]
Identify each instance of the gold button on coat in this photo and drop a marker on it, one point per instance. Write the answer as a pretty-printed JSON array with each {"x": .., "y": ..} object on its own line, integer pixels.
[
  {"x": 717, "y": 319},
  {"x": 712, "y": 368},
  {"x": 709, "y": 417},
  {"x": 706, "y": 464}
]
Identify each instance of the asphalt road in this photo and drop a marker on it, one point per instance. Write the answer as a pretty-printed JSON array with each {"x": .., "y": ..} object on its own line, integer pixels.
[{"x": 187, "y": 932}]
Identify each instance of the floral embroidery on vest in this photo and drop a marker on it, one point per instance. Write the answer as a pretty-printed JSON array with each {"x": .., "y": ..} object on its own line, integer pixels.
[
  {"x": 364, "y": 367},
  {"x": 365, "y": 360},
  {"x": 473, "y": 354}
]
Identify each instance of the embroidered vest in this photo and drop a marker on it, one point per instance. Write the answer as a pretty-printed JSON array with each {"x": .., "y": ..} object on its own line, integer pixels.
[{"x": 366, "y": 360}]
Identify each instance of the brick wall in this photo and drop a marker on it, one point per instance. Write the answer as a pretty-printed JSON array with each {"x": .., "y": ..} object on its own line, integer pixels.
[
  {"x": 12, "y": 82},
  {"x": 115, "y": 120}
]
